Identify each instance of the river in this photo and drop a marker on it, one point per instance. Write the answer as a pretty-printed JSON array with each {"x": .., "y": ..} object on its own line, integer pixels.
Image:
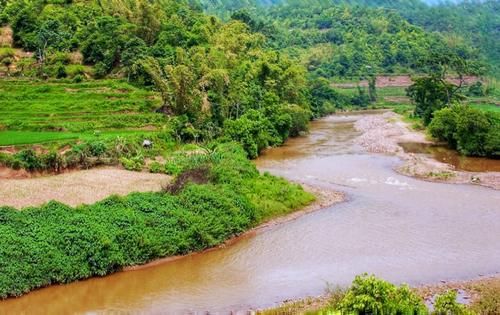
[{"x": 400, "y": 228}]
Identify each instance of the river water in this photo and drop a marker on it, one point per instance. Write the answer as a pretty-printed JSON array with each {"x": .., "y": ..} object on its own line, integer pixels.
[{"x": 400, "y": 228}]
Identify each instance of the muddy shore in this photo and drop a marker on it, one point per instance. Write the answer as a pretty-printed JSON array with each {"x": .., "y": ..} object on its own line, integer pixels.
[{"x": 383, "y": 133}]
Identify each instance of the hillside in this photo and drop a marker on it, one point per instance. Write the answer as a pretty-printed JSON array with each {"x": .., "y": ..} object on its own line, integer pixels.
[
  {"x": 170, "y": 68},
  {"x": 460, "y": 24}
]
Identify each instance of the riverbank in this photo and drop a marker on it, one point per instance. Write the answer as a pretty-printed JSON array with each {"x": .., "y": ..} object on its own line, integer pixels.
[
  {"x": 214, "y": 198},
  {"x": 324, "y": 199},
  {"x": 384, "y": 133},
  {"x": 480, "y": 296}
]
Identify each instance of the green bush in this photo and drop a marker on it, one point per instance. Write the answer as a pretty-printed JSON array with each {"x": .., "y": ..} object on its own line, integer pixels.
[
  {"x": 300, "y": 119},
  {"x": 156, "y": 168},
  {"x": 29, "y": 160},
  {"x": 469, "y": 130},
  {"x": 78, "y": 78},
  {"x": 446, "y": 304},
  {"x": 254, "y": 131},
  {"x": 477, "y": 89},
  {"x": 6, "y": 52},
  {"x": 370, "y": 295},
  {"x": 133, "y": 164},
  {"x": 444, "y": 126},
  {"x": 75, "y": 70}
]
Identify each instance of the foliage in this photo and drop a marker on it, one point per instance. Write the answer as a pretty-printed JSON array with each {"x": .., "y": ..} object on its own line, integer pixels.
[
  {"x": 468, "y": 129},
  {"x": 324, "y": 99},
  {"x": 370, "y": 295},
  {"x": 431, "y": 94},
  {"x": 135, "y": 163},
  {"x": 467, "y": 27},
  {"x": 95, "y": 150},
  {"x": 58, "y": 244},
  {"x": 476, "y": 89},
  {"x": 446, "y": 304}
]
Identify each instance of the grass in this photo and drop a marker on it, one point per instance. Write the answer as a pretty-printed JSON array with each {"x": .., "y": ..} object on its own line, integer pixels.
[
  {"x": 487, "y": 107},
  {"x": 8, "y": 138},
  {"x": 75, "y": 107},
  {"x": 19, "y": 138}
]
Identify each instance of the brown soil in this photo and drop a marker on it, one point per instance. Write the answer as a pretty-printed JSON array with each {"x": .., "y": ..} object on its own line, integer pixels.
[
  {"x": 382, "y": 133},
  {"x": 77, "y": 188}
]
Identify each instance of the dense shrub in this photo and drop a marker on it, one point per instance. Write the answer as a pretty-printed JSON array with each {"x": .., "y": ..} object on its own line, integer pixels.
[
  {"x": 370, "y": 295},
  {"x": 446, "y": 304},
  {"x": 254, "y": 131},
  {"x": 444, "y": 125},
  {"x": 111, "y": 151},
  {"x": 431, "y": 94},
  {"x": 135, "y": 163},
  {"x": 55, "y": 243},
  {"x": 300, "y": 119},
  {"x": 469, "y": 130}
]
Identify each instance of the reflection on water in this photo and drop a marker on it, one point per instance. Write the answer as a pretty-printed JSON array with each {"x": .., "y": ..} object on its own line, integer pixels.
[
  {"x": 446, "y": 155},
  {"x": 399, "y": 228}
]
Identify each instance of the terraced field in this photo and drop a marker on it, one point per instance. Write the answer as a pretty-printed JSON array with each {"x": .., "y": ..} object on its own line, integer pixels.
[{"x": 37, "y": 112}]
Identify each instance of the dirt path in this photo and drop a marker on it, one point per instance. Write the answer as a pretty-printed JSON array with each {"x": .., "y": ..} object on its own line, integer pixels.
[
  {"x": 76, "y": 188},
  {"x": 382, "y": 133}
]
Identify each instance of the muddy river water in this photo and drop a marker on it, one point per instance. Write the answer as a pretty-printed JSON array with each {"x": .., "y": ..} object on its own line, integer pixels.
[{"x": 400, "y": 228}]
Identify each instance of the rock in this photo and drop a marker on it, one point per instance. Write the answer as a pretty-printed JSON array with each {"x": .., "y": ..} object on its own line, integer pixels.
[
  {"x": 475, "y": 179},
  {"x": 148, "y": 144}
]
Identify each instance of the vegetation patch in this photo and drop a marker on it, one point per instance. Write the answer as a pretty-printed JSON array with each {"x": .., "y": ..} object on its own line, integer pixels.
[
  {"x": 371, "y": 295},
  {"x": 55, "y": 243}
]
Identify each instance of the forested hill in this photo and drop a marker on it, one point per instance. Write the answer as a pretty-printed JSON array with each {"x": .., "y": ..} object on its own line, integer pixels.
[
  {"x": 467, "y": 23},
  {"x": 256, "y": 77}
]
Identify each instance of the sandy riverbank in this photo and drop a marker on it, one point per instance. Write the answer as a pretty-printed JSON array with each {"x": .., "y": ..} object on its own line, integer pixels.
[{"x": 383, "y": 133}]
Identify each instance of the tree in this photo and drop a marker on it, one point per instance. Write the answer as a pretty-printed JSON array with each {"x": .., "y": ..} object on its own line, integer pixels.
[
  {"x": 430, "y": 94},
  {"x": 47, "y": 34},
  {"x": 178, "y": 87}
]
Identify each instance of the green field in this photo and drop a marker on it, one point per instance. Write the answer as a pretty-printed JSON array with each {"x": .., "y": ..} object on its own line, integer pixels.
[
  {"x": 33, "y": 137},
  {"x": 75, "y": 107},
  {"x": 487, "y": 107},
  {"x": 14, "y": 138}
]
